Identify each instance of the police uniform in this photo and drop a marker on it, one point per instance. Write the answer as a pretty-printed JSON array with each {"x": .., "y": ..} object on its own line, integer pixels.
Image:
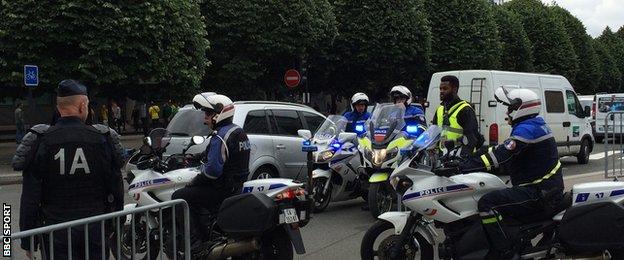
[
  {"x": 457, "y": 119},
  {"x": 223, "y": 174},
  {"x": 530, "y": 158},
  {"x": 354, "y": 119},
  {"x": 414, "y": 115},
  {"x": 71, "y": 171}
]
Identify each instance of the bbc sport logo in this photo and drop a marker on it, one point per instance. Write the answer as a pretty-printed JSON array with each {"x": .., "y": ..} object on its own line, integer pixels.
[{"x": 6, "y": 230}]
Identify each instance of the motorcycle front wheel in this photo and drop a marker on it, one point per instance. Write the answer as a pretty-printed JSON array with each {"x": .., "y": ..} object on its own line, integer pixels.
[
  {"x": 321, "y": 198},
  {"x": 140, "y": 243},
  {"x": 380, "y": 239},
  {"x": 380, "y": 198}
]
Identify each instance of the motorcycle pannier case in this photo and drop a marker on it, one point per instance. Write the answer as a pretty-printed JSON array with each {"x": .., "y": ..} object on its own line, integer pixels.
[
  {"x": 247, "y": 214},
  {"x": 593, "y": 227}
]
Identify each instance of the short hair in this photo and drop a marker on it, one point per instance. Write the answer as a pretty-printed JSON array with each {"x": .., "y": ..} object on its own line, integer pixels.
[{"x": 451, "y": 80}]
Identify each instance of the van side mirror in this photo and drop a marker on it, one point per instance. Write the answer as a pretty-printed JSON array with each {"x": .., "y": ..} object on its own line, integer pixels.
[
  {"x": 587, "y": 111},
  {"x": 305, "y": 134},
  {"x": 347, "y": 137}
]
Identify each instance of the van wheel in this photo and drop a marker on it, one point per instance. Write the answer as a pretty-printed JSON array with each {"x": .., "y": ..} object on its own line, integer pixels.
[
  {"x": 264, "y": 172},
  {"x": 583, "y": 155}
]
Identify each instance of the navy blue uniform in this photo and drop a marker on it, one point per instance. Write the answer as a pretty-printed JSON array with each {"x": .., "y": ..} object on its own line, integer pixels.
[
  {"x": 414, "y": 115},
  {"x": 530, "y": 158},
  {"x": 354, "y": 119}
]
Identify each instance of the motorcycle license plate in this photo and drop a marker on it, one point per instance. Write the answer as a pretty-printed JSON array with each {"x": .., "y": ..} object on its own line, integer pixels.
[{"x": 290, "y": 216}]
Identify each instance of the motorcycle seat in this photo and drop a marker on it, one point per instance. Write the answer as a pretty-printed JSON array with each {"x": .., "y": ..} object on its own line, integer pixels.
[{"x": 545, "y": 216}]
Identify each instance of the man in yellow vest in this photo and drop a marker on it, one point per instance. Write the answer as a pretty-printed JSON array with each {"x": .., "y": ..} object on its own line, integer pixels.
[{"x": 457, "y": 118}]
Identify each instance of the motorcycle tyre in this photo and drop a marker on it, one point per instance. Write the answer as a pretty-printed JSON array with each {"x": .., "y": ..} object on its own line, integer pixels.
[
  {"x": 276, "y": 245},
  {"x": 368, "y": 242},
  {"x": 321, "y": 207},
  {"x": 374, "y": 191},
  {"x": 154, "y": 247}
]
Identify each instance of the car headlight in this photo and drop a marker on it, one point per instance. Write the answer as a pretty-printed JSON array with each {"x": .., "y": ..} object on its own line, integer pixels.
[
  {"x": 379, "y": 156},
  {"x": 326, "y": 155}
]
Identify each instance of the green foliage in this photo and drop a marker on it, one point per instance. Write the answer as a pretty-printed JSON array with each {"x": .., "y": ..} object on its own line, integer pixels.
[
  {"x": 615, "y": 45},
  {"x": 380, "y": 44},
  {"x": 588, "y": 77},
  {"x": 107, "y": 45},
  {"x": 254, "y": 42},
  {"x": 465, "y": 35},
  {"x": 516, "y": 52},
  {"x": 611, "y": 77},
  {"x": 552, "y": 49}
]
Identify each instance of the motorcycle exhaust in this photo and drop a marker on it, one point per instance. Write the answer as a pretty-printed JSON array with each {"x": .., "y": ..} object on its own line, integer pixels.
[{"x": 233, "y": 249}]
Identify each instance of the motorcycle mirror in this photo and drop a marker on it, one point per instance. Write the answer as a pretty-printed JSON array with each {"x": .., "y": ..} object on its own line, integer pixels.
[
  {"x": 157, "y": 135},
  {"x": 197, "y": 140},
  {"x": 305, "y": 134},
  {"x": 346, "y": 137},
  {"x": 147, "y": 141}
]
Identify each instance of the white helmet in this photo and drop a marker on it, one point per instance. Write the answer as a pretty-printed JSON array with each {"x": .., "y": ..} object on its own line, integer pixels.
[
  {"x": 401, "y": 91},
  {"x": 359, "y": 98},
  {"x": 520, "y": 102},
  {"x": 221, "y": 105}
]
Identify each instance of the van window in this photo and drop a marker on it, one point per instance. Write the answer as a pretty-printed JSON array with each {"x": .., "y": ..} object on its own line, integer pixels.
[
  {"x": 256, "y": 123},
  {"x": 287, "y": 122},
  {"x": 574, "y": 106},
  {"x": 313, "y": 121},
  {"x": 609, "y": 104},
  {"x": 554, "y": 102}
]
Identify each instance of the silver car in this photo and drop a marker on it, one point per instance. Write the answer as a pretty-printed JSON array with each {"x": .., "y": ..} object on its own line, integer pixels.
[{"x": 272, "y": 130}]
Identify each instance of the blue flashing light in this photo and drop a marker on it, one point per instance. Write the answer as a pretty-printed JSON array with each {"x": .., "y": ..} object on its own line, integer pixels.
[
  {"x": 307, "y": 143},
  {"x": 336, "y": 145},
  {"x": 359, "y": 128}
]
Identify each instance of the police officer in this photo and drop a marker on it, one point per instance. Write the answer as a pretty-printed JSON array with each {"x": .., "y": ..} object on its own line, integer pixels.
[
  {"x": 530, "y": 157},
  {"x": 358, "y": 116},
  {"x": 414, "y": 115},
  {"x": 227, "y": 161},
  {"x": 71, "y": 171},
  {"x": 457, "y": 118}
]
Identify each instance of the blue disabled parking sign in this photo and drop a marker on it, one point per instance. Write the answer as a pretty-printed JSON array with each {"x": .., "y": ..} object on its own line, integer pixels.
[{"x": 31, "y": 75}]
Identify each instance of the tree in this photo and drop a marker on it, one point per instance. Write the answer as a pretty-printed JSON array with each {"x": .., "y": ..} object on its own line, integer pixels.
[
  {"x": 611, "y": 77},
  {"x": 588, "y": 77},
  {"x": 153, "y": 46},
  {"x": 254, "y": 42},
  {"x": 380, "y": 44},
  {"x": 516, "y": 48},
  {"x": 552, "y": 49},
  {"x": 615, "y": 46},
  {"x": 465, "y": 35}
]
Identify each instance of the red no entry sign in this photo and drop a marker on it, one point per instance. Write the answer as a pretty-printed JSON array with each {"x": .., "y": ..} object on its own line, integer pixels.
[{"x": 292, "y": 78}]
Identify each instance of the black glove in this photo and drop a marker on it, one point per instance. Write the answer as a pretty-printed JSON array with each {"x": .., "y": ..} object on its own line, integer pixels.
[{"x": 446, "y": 171}]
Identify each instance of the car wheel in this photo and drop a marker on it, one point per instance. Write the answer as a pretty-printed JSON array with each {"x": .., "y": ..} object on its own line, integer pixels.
[
  {"x": 583, "y": 155},
  {"x": 264, "y": 172}
]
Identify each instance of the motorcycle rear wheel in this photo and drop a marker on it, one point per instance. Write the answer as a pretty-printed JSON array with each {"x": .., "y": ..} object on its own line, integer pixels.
[{"x": 276, "y": 245}]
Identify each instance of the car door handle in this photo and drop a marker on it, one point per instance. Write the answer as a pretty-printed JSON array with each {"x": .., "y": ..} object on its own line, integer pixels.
[
  {"x": 280, "y": 147},
  {"x": 566, "y": 124}
]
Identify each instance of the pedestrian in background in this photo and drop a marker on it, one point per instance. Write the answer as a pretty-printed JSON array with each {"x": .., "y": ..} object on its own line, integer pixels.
[
  {"x": 104, "y": 114},
  {"x": 144, "y": 119},
  {"x": 19, "y": 122},
  {"x": 72, "y": 172},
  {"x": 154, "y": 112},
  {"x": 135, "y": 118},
  {"x": 117, "y": 122},
  {"x": 167, "y": 110}
]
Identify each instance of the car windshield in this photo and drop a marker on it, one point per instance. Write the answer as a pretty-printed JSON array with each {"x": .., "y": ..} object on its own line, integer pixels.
[
  {"x": 428, "y": 138},
  {"x": 332, "y": 127},
  {"x": 386, "y": 119},
  {"x": 188, "y": 122},
  {"x": 610, "y": 104}
]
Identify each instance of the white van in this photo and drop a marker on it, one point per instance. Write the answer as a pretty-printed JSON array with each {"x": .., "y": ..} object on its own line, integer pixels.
[
  {"x": 606, "y": 103},
  {"x": 561, "y": 108}
]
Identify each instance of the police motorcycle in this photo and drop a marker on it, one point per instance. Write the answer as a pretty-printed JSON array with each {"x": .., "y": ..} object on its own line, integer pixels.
[
  {"x": 335, "y": 172},
  {"x": 382, "y": 152},
  {"x": 261, "y": 223},
  {"x": 588, "y": 223}
]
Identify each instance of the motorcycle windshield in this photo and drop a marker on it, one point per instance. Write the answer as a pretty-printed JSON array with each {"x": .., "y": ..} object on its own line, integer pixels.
[
  {"x": 386, "y": 121},
  {"x": 332, "y": 127},
  {"x": 428, "y": 138}
]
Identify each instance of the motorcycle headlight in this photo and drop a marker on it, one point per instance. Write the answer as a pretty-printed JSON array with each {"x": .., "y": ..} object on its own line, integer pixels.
[
  {"x": 401, "y": 183},
  {"x": 379, "y": 156},
  {"x": 326, "y": 155}
]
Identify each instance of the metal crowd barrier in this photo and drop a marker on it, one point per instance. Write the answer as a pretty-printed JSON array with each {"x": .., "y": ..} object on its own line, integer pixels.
[
  {"x": 38, "y": 233},
  {"x": 614, "y": 125}
]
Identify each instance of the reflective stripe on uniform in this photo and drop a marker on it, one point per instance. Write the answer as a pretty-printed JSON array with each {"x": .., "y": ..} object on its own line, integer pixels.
[
  {"x": 492, "y": 219},
  {"x": 486, "y": 162},
  {"x": 453, "y": 131},
  {"x": 492, "y": 156},
  {"x": 550, "y": 174}
]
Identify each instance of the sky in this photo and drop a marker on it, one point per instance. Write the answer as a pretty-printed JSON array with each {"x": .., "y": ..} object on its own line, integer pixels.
[{"x": 595, "y": 14}]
